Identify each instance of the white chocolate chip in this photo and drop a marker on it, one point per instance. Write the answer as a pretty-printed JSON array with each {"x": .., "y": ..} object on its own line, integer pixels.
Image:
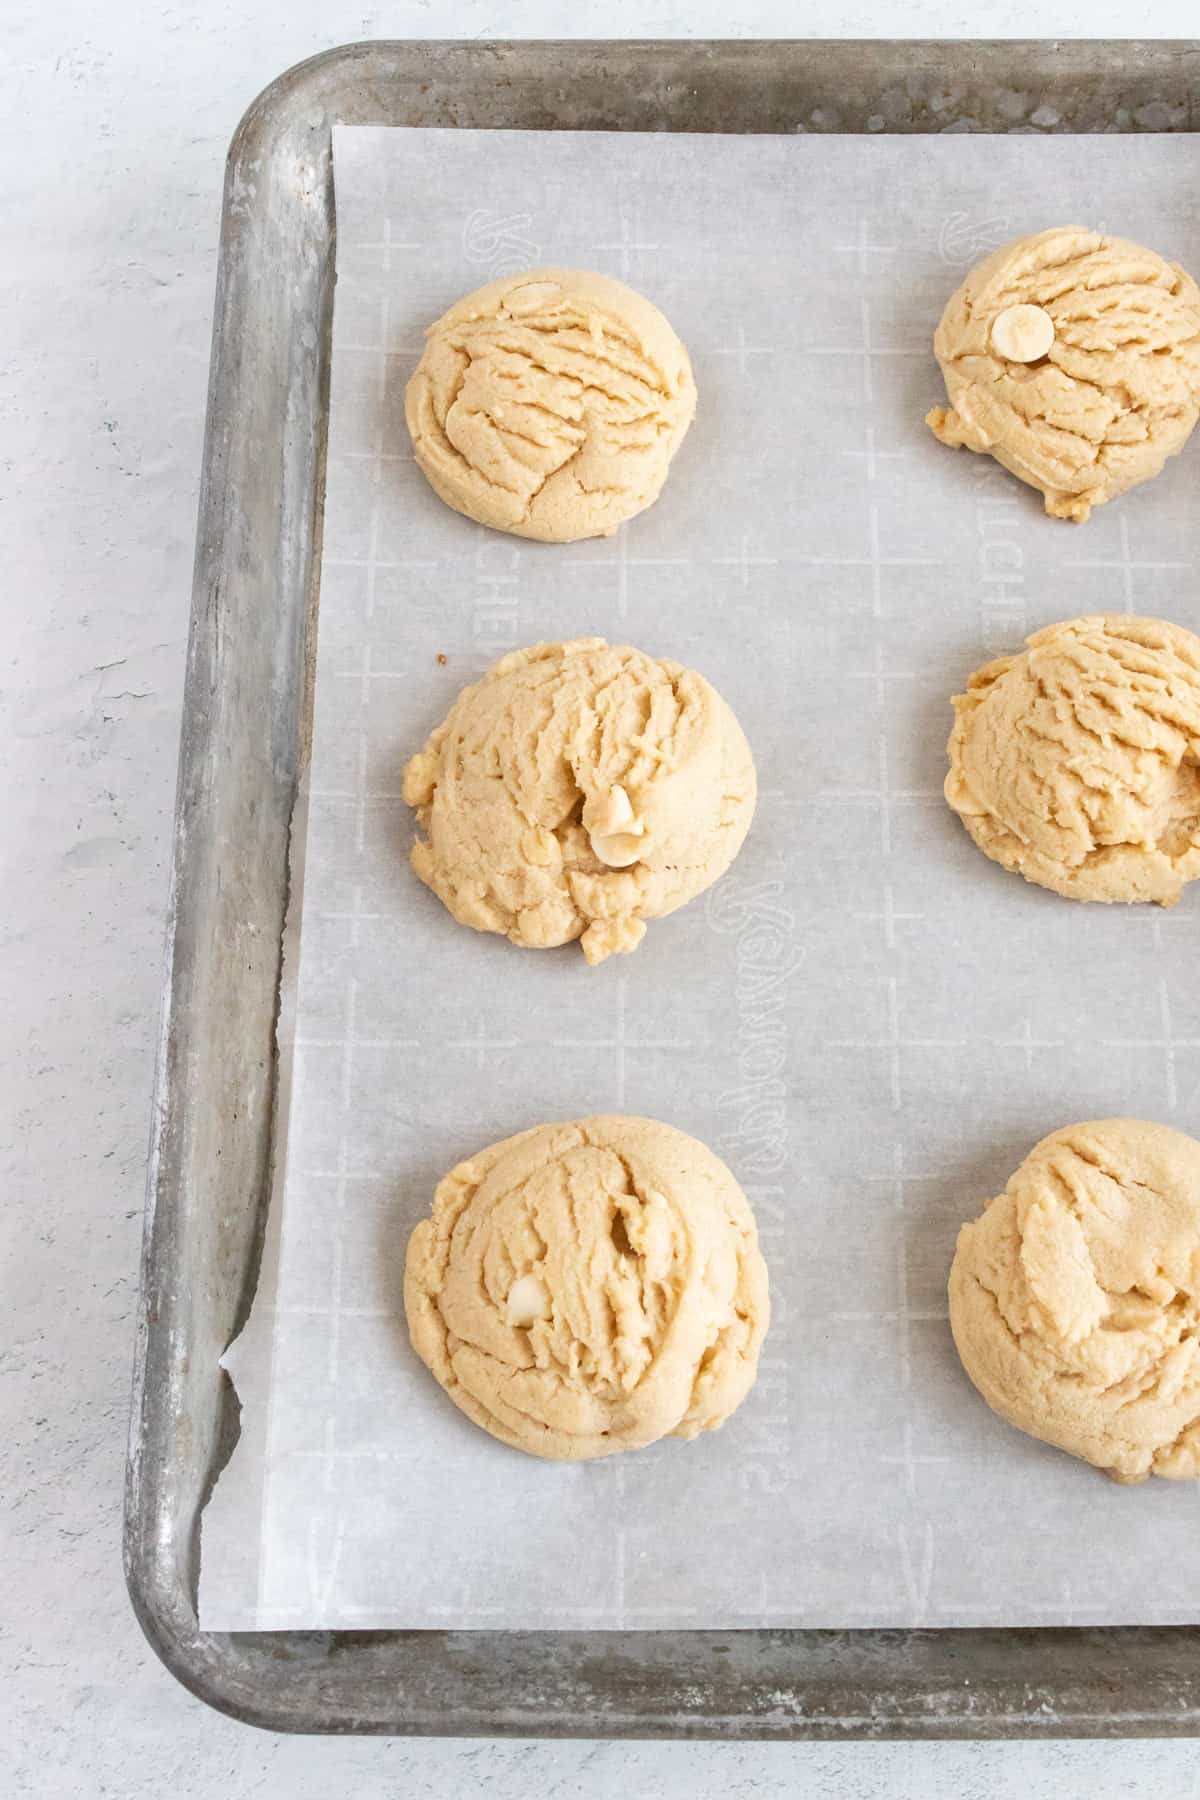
[
  {"x": 618, "y": 849},
  {"x": 527, "y": 1302},
  {"x": 608, "y": 811},
  {"x": 540, "y": 847},
  {"x": 1022, "y": 333},
  {"x": 615, "y": 833}
]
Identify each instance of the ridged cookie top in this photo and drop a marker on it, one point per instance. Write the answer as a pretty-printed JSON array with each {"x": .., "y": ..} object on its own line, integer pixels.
[
  {"x": 1077, "y": 763},
  {"x": 550, "y": 404},
  {"x": 578, "y": 790},
  {"x": 590, "y": 1287},
  {"x": 1115, "y": 392},
  {"x": 1075, "y": 1298}
]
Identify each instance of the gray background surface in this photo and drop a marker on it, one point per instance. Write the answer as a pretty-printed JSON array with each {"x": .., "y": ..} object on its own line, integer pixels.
[{"x": 114, "y": 124}]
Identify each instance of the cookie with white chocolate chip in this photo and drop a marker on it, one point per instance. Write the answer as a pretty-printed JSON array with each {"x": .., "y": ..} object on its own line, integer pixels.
[
  {"x": 1073, "y": 358},
  {"x": 590, "y": 1287},
  {"x": 550, "y": 404},
  {"x": 1075, "y": 1298},
  {"x": 576, "y": 791}
]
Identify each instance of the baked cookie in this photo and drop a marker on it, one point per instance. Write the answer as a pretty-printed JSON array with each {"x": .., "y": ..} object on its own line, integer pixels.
[
  {"x": 1075, "y": 1298},
  {"x": 1074, "y": 359},
  {"x": 590, "y": 1287},
  {"x": 550, "y": 404},
  {"x": 576, "y": 791},
  {"x": 1077, "y": 763}
]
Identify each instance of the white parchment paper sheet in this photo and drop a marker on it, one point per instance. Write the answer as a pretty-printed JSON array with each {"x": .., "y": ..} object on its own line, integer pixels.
[{"x": 869, "y": 1021}]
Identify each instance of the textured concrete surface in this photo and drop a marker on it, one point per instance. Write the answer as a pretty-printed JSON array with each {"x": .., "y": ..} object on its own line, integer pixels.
[{"x": 113, "y": 124}]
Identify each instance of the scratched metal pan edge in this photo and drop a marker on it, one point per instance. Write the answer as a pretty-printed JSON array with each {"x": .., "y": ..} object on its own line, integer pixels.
[{"x": 245, "y": 735}]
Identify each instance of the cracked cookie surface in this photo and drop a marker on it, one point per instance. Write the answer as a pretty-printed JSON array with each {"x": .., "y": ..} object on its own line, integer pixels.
[
  {"x": 1073, "y": 358},
  {"x": 590, "y": 1287},
  {"x": 550, "y": 404},
  {"x": 1077, "y": 763},
  {"x": 576, "y": 791},
  {"x": 1075, "y": 1298}
]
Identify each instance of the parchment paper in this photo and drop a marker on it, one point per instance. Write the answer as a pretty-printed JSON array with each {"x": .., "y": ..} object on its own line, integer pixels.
[{"x": 869, "y": 1021}]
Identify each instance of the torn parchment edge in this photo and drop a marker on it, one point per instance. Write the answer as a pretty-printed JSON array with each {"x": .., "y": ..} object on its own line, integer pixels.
[{"x": 245, "y": 1480}]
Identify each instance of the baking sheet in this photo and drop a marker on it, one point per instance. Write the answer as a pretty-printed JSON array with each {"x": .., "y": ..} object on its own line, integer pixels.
[{"x": 866, "y": 1019}]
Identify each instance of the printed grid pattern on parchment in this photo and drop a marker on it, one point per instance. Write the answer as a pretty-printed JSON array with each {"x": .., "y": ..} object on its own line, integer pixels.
[{"x": 869, "y": 1021}]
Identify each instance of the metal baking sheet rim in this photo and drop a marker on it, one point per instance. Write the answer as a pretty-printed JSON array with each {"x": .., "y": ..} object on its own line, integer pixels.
[{"x": 254, "y": 597}]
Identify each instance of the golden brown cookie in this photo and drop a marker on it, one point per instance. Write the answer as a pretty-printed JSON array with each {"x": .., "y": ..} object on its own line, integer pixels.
[
  {"x": 576, "y": 791},
  {"x": 550, "y": 404},
  {"x": 1075, "y": 1298},
  {"x": 1077, "y": 762},
  {"x": 590, "y": 1287},
  {"x": 1074, "y": 359}
]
